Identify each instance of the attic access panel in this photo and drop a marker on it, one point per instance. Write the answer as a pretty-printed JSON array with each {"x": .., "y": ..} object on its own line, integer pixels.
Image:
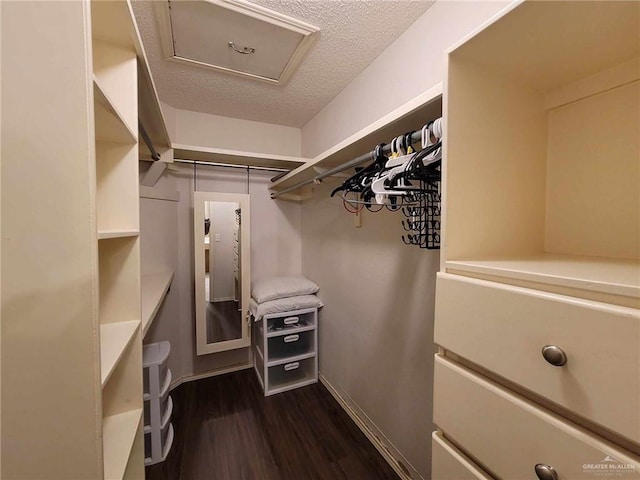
[{"x": 233, "y": 36}]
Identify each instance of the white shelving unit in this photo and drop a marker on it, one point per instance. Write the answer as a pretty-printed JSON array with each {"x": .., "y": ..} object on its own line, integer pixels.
[
  {"x": 537, "y": 301},
  {"x": 115, "y": 103},
  {"x": 541, "y": 195},
  {"x": 74, "y": 100},
  {"x": 286, "y": 355}
]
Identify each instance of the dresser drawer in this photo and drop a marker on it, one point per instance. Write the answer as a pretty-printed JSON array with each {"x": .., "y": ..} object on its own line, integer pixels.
[
  {"x": 504, "y": 328},
  {"x": 448, "y": 463},
  {"x": 510, "y": 435}
]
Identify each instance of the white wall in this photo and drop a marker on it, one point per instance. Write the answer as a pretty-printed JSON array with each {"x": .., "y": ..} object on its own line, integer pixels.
[
  {"x": 214, "y": 131},
  {"x": 275, "y": 250},
  {"x": 376, "y": 329},
  {"x": 409, "y": 66},
  {"x": 159, "y": 253}
]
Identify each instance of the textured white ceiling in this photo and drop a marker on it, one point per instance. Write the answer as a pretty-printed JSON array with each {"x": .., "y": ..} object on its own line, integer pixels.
[{"x": 352, "y": 34}]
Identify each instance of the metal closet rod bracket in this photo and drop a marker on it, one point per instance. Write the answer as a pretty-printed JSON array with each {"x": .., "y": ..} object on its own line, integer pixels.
[{"x": 155, "y": 156}]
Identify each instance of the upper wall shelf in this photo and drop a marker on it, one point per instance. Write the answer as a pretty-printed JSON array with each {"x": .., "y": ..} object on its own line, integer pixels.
[
  {"x": 410, "y": 116},
  {"x": 153, "y": 289},
  {"x": 235, "y": 157}
]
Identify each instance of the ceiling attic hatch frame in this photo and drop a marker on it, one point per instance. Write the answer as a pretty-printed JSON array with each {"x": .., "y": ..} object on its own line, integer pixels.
[{"x": 233, "y": 36}]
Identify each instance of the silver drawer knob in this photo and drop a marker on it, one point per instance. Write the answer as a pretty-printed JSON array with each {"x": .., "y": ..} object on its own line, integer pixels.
[
  {"x": 546, "y": 472},
  {"x": 554, "y": 355}
]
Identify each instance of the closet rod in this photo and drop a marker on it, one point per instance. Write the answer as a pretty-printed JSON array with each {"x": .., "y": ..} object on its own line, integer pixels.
[
  {"x": 415, "y": 137},
  {"x": 143, "y": 133},
  {"x": 230, "y": 165}
]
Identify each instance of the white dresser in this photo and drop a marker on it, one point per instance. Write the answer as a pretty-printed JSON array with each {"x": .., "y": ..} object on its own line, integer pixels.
[{"x": 537, "y": 320}]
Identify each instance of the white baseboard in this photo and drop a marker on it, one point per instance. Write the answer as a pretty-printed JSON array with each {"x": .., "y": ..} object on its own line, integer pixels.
[
  {"x": 394, "y": 458},
  {"x": 211, "y": 373}
]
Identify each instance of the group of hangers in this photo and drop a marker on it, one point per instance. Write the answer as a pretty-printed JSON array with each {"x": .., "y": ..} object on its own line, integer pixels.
[
  {"x": 405, "y": 180},
  {"x": 399, "y": 178}
]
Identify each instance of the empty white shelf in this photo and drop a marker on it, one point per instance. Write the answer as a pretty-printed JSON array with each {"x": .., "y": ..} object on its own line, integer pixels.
[
  {"x": 106, "y": 234},
  {"x": 154, "y": 289},
  {"x": 596, "y": 274},
  {"x": 114, "y": 340},
  {"x": 110, "y": 124},
  {"x": 118, "y": 433}
]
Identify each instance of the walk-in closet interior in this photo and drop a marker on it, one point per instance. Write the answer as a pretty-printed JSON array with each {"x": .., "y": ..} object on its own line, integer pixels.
[{"x": 332, "y": 239}]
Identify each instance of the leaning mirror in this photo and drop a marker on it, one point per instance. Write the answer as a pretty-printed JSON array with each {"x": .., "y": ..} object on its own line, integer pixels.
[{"x": 222, "y": 270}]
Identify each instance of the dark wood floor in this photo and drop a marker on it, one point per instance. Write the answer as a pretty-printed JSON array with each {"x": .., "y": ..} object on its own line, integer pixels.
[
  {"x": 224, "y": 321},
  {"x": 227, "y": 430}
]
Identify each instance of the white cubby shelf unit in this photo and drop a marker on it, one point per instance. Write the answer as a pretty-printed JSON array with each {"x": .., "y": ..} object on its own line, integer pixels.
[{"x": 542, "y": 151}]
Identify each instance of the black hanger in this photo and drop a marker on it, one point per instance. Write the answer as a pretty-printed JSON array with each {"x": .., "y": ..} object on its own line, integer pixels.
[{"x": 364, "y": 175}]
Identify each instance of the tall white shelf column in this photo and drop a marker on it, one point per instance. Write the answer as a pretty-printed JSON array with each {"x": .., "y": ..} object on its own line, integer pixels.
[
  {"x": 537, "y": 302},
  {"x": 118, "y": 223},
  {"x": 71, "y": 332}
]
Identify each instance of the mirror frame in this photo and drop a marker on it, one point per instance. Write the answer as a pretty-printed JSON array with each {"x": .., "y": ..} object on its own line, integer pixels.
[{"x": 199, "y": 199}]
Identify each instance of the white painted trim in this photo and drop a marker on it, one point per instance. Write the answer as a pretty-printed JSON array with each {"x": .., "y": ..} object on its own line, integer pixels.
[
  {"x": 484, "y": 25},
  {"x": 211, "y": 373},
  {"x": 617, "y": 76},
  {"x": 199, "y": 199},
  {"x": 163, "y": 21},
  {"x": 388, "y": 451},
  {"x": 238, "y": 73},
  {"x": 270, "y": 16},
  {"x": 308, "y": 32}
]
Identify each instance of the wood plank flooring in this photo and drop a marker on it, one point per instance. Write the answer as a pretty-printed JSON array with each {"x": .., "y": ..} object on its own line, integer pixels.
[{"x": 225, "y": 429}]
